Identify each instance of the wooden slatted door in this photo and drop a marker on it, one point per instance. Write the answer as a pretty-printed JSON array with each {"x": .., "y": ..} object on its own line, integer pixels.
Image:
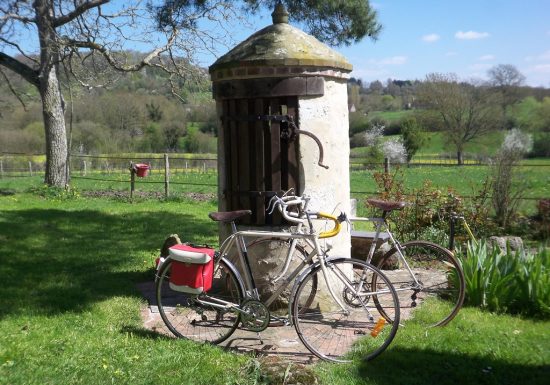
[{"x": 259, "y": 163}]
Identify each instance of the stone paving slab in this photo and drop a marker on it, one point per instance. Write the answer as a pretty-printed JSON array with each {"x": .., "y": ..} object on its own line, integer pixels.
[{"x": 278, "y": 341}]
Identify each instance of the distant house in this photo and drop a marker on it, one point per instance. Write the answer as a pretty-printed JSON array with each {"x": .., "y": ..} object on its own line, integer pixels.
[{"x": 352, "y": 108}]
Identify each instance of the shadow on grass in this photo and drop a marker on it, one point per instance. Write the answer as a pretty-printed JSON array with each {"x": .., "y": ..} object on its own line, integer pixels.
[
  {"x": 55, "y": 261},
  {"x": 146, "y": 334},
  {"x": 405, "y": 366}
]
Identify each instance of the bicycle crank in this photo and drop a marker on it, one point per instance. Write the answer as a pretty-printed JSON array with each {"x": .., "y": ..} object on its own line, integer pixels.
[{"x": 254, "y": 315}]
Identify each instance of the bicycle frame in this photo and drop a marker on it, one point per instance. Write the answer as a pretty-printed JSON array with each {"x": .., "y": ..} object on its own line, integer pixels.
[{"x": 380, "y": 224}]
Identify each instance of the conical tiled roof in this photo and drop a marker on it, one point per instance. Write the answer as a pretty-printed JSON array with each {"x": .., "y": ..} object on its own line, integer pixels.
[{"x": 281, "y": 44}]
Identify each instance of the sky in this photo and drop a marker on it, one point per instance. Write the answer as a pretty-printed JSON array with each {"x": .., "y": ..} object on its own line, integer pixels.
[{"x": 464, "y": 37}]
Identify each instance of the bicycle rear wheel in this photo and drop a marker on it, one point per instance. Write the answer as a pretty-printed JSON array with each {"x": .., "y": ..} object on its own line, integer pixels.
[
  {"x": 186, "y": 317},
  {"x": 347, "y": 325},
  {"x": 440, "y": 295}
]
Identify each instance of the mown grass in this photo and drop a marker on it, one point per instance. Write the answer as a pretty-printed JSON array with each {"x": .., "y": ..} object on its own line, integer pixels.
[
  {"x": 475, "y": 348},
  {"x": 70, "y": 309},
  {"x": 69, "y": 305}
]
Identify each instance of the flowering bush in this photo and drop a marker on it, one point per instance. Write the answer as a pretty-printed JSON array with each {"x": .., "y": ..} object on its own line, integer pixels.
[{"x": 395, "y": 151}]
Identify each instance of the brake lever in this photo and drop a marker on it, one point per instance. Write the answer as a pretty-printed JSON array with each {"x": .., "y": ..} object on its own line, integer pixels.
[{"x": 272, "y": 204}]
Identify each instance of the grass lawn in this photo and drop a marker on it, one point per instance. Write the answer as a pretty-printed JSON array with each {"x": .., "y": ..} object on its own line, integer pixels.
[{"x": 70, "y": 310}]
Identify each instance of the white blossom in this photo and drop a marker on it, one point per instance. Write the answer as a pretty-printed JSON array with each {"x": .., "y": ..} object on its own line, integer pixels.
[
  {"x": 517, "y": 142},
  {"x": 394, "y": 150},
  {"x": 373, "y": 136}
]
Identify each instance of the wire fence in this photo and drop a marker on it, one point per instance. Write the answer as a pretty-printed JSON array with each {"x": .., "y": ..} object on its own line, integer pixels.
[{"x": 184, "y": 172}]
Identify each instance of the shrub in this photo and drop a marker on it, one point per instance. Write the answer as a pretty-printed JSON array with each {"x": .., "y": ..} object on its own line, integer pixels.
[
  {"x": 541, "y": 145},
  {"x": 506, "y": 198},
  {"x": 394, "y": 150},
  {"x": 413, "y": 137},
  {"x": 542, "y": 219},
  {"x": 516, "y": 283},
  {"x": 429, "y": 210}
]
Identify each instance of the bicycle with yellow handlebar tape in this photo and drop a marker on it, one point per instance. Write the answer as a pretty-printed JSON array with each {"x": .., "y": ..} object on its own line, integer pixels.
[{"x": 333, "y": 305}]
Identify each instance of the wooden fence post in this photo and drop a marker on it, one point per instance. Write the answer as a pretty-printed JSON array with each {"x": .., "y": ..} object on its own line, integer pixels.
[
  {"x": 166, "y": 176},
  {"x": 30, "y": 168},
  {"x": 132, "y": 179},
  {"x": 1, "y": 169},
  {"x": 386, "y": 173},
  {"x": 85, "y": 171}
]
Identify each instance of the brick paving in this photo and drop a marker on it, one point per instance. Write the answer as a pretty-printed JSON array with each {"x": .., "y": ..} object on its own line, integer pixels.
[{"x": 279, "y": 341}]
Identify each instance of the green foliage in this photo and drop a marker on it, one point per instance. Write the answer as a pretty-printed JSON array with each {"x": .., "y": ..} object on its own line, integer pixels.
[
  {"x": 197, "y": 141},
  {"x": 154, "y": 112},
  {"x": 56, "y": 193},
  {"x": 517, "y": 283},
  {"x": 358, "y": 123},
  {"x": 413, "y": 137},
  {"x": 542, "y": 219},
  {"x": 541, "y": 145},
  {"x": 428, "y": 213}
]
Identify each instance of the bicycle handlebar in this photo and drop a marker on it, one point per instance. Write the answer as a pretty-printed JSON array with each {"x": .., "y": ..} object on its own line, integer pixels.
[
  {"x": 335, "y": 230},
  {"x": 303, "y": 216}
]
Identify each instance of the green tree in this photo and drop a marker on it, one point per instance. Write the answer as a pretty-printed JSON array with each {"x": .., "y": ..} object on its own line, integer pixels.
[{"x": 413, "y": 137}]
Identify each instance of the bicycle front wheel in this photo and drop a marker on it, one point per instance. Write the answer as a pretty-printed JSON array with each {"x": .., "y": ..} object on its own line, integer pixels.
[
  {"x": 344, "y": 323},
  {"x": 188, "y": 316},
  {"x": 439, "y": 294}
]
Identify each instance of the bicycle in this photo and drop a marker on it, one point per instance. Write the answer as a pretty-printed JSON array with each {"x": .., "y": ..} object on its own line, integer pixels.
[
  {"x": 420, "y": 271},
  {"x": 334, "y": 308}
]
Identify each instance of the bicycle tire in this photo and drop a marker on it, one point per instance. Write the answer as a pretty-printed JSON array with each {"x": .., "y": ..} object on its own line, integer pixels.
[
  {"x": 264, "y": 282},
  {"x": 326, "y": 330},
  {"x": 441, "y": 278},
  {"x": 186, "y": 318}
]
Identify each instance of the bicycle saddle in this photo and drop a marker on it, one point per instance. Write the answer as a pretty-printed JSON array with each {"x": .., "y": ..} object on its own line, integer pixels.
[
  {"x": 386, "y": 205},
  {"x": 228, "y": 216}
]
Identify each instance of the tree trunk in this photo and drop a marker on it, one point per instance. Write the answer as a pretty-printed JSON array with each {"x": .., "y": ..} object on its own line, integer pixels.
[
  {"x": 54, "y": 124},
  {"x": 52, "y": 99},
  {"x": 460, "y": 157}
]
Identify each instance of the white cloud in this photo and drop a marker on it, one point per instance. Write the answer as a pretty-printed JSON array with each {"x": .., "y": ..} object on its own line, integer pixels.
[
  {"x": 487, "y": 58},
  {"x": 479, "y": 66},
  {"x": 378, "y": 68},
  {"x": 471, "y": 35},
  {"x": 394, "y": 60},
  {"x": 432, "y": 37},
  {"x": 545, "y": 56},
  {"x": 540, "y": 68}
]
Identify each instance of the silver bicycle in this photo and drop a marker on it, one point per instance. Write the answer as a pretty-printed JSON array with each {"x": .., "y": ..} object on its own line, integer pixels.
[{"x": 341, "y": 308}]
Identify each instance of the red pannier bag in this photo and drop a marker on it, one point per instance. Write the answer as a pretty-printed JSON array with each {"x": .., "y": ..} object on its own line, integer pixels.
[{"x": 192, "y": 268}]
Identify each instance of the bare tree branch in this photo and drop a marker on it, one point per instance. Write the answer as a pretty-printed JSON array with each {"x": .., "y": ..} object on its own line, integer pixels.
[
  {"x": 146, "y": 61},
  {"x": 20, "y": 68},
  {"x": 16, "y": 46},
  {"x": 13, "y": 91},
  {"x": 12, "y": 16},
  {"x": 79, "y": 10}
]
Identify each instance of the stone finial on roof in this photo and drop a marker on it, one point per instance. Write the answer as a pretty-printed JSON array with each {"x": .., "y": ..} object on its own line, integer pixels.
[{"x": 280, "y": 14}]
